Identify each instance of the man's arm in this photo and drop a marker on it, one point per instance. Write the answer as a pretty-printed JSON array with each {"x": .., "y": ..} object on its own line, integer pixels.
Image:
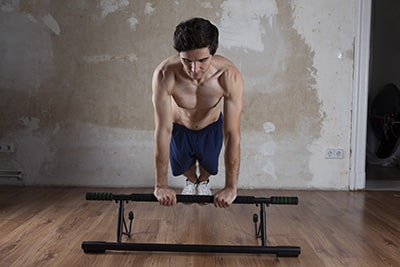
[
  {"x": 161, "y": 98},
  {"x": 232, "y": 81}
]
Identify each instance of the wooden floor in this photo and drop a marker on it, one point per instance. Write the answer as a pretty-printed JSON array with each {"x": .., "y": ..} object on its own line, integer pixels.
[{"x": 45, "y": 226}]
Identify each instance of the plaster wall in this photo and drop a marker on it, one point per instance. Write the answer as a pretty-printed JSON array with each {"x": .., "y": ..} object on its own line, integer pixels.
[{"x": 75, "y": 88}]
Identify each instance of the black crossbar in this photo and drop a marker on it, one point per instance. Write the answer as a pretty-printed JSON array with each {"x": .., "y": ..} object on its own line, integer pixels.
[
  {"x": 102, "y": 247},
  {"x": 276, "y": 200}
]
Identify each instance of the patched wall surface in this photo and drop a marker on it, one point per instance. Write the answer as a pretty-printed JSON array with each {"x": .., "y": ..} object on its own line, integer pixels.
[{"x": 75, "y": 88}]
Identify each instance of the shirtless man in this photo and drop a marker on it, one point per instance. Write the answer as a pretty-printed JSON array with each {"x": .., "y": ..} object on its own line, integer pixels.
[{"x": 197, "y": 100}]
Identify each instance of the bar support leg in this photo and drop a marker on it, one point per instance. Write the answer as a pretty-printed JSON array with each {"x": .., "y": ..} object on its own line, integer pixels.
[
  {"x": 261, "y": 229},
  {"x": 263, "y": 225},
  {"x": 120, "y": 221}
]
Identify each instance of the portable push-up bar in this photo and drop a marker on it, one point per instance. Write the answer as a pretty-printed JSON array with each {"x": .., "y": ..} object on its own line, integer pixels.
[{"x": 259, "y": 227}]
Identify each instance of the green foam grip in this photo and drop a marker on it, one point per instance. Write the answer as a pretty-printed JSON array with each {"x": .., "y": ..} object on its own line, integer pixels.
[
  {"x": 99, "y": 196},
  {"x": 281, "y": 200}
]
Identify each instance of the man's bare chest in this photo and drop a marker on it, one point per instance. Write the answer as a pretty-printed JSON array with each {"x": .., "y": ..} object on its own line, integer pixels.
[{"x": 204, "y": 96}]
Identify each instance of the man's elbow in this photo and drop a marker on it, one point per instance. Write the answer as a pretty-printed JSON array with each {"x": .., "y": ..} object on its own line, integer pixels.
[{"x": 232, "y": 139}]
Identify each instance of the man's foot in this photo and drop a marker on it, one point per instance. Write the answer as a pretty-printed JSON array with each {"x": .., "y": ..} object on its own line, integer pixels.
[
  {"x": 204, "y": 189},
  {"x": 189, "y": 189}
]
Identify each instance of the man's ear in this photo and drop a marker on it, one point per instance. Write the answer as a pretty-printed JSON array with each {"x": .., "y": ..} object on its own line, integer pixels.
[{"x": 216, "y": 49}]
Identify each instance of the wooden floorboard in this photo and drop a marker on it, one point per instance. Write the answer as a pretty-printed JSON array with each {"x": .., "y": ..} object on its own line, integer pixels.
[{"x": 45, "y": 226}]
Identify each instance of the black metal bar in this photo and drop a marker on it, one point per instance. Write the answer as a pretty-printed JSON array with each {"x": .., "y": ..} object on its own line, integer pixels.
[
  {"x": 263, "y": 225},
  {"x": 120, "y": 221},
  {"x": 126, "y": 231},
  {"x": 102, "y": 247},
  {"x": 276, "y": 200}
]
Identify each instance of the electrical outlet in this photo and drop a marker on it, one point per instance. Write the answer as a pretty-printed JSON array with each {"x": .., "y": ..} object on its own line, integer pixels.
[
  {"x": 339, "y": 153},
  {"x": 330, "y": 153},
  {"x": 6, "y": 147},
  {"x": 334, "y": 153}
]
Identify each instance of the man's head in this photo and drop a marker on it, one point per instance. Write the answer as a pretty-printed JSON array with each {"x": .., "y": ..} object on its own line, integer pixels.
[{"x": 196, "y": 33}]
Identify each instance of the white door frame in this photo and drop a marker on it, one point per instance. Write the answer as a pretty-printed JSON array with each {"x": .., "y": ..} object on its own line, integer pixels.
[{"x": 357, "y": 177}]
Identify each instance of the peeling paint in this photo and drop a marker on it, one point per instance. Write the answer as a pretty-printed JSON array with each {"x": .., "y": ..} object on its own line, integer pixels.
[
  {"x": 149, "y": 10},
  {"x": 9, "y": 6},
  {"x": 51, "y": 23},
  {"x": 106, "y": 58},
  {"x": 238, "y": 18},
  {"x": 31, "y": 18},
  {"x": 330, "y": 53},
  {"x": 133, "y": 21},
  {"x": 31, "y": 123},
  {"x": 82, "y": 101},
  {"x": 111, "y": 6},
  {"x": 269, "y": 127}
]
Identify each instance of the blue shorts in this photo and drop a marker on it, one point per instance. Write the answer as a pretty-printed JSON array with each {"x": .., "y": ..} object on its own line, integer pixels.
[{"x": 203, "y": 145}]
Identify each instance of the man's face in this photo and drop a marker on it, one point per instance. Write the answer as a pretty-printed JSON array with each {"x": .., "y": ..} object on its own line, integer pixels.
[{"x": 196, "y": 62}]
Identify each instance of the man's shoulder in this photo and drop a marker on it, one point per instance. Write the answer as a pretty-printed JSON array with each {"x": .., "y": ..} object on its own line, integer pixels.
[
  {"x": 225, "y": 65},
  {"x": 227, "y": 68},
  {"x": 165, "y": 73},
  {"x": 230, "y": 77},
  {"x": 169, "y": 64}
]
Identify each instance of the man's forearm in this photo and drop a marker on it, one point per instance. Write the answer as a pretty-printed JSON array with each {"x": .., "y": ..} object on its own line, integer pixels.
[
  {"x": 232, "y": 161},
  {"x": 161, "y": 158},
  {"x": 161, "y": 172}
]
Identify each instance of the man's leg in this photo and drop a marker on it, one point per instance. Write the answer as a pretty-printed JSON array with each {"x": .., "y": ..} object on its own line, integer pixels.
[
  {"x": 191, "y": 181},
  {"x": 191, "y": 174},
  {"x": 204, "y": 175},
  {"x": 203, "y": 187}
]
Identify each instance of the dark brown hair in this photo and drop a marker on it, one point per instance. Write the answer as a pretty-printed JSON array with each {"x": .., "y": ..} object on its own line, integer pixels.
[{"x": 196, "y": 33}]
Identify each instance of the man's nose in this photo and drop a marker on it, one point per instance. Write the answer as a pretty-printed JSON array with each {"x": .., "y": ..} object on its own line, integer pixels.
[{"x": 195, "y": 67}]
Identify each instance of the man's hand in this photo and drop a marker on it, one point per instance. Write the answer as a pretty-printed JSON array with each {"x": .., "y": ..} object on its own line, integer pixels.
[
  {"x": 165, "y": 196},
  {"x": 225, "y": 197}
]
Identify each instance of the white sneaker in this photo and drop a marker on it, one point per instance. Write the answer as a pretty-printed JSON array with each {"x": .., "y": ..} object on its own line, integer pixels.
[
  {"x": 204, "y": 188},
  {"x": 189, "y": 189}
]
